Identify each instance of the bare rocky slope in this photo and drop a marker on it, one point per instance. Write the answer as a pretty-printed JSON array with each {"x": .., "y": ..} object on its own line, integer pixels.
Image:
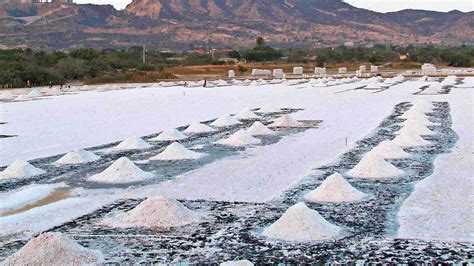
[{"x": 184, "y": 24}]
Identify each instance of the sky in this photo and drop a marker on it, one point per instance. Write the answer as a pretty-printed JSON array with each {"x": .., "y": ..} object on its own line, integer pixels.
[{"x": 376, "y": 5}]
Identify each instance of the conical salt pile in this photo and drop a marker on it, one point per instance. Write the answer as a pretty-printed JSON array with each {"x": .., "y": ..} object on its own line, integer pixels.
[
  {"x": 77, "y": 157},
  {"x": 20, "y": 169},
  {"x": 390, "y": 150},
  {"x": 422, "y": 106},
  {"x": 286, "y": 121},
  {"x": 225, "y": 121},
  {"x": 240, "y": 138},
  {"x": 418, "y": 128},
  {"x": 121, "y": 171},
  {"x": 301, "y": 224},
  {"x": 374, "y": 86},
  {"x": 6, "y": 96},
  {"x": 170, "y": 135},
  {"x": 53, "y": 92},
  {"x": 246, "y": 114},
  {"x": 35, "y": 93},
  {"x": 175, "y": 152},
  {"x": 156, "y": 213},
  {"x": 433, "y": 88},
  {"x": 415, "y": 117},
  {"x": 55, "y": 249},
  {"x": 259, "y": 129},
  {"x": 373, "y": 166},
  {"x": 409, "y": 138},
  {"x": 335, "y": 188},
  {"x": 132, "y": 144},
  {"x": 268, "y": 110},
  {"x": 237, "y": 263},
  {"x": 198, "y": 128},
  {"x": 22, "y": 98},
  {"x": 413, "y": 112}
]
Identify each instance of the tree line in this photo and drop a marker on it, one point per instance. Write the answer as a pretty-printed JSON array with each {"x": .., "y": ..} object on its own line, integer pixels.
[{"x": 18, "y": 66}]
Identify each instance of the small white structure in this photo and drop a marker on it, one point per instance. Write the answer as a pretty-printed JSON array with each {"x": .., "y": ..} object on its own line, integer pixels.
[
  {"x": 278, "y": 73},
  {"x": 261, "y": 72},
  {"x": 298, "y": 70},
  {"x": 428, "y": 69},
  {"x": 231, "y": 74},
  {"x": 342, "y": 70},
  {"x": 363, "y": 69},
  {"x": 320, "y": 71},
  {"x": 374, "y": 69}
]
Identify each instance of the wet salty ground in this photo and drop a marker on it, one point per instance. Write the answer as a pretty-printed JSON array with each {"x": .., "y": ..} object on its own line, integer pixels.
[{"x": 232, "y": 230}]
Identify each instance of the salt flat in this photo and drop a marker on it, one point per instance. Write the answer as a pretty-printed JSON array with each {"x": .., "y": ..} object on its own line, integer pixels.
[{"x": 258, "y": 174}]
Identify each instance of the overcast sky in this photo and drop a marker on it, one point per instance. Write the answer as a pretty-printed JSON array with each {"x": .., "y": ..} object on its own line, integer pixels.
[{"x": 377, "y": 5}]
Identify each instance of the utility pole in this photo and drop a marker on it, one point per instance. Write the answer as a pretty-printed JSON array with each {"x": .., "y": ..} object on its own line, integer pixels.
[{"x": 144, "y": 54}]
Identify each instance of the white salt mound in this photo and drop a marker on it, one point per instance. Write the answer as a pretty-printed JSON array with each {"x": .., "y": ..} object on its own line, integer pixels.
[
  {"x": 301, "y": 224},
  {"x": 433, "y": 88},
  {"x": 77, "y": 157},
  {"x": 132, "y": 144},
  {"x": 373, "y": 166},
  {"x": 407, "y": 138},
  {"x": 6, "y": 96},
  {"x": 237, "y": 263},
  {"x": 170, "y": 135},
  {"x": 175, "y": 152},
  {"x": 35, "y": 93},
  {"x": 417, "y": 118},
  {"x": 335, "y": 188},
  {"x": 422, "y": 106},
  {"x": 157, "y": 213},
  {"x": 417, "y": 128},
  {"x": 390, "y": 150},
  {"x": 268, "y": 110},
  {"x": 286, "y": 121},
  {"x": 54, "y": 249},
  {"x": 122, "y": 171},
  {"x": 246, "y": 114},
  {"x": 20, "y": 169},
  {"x": 225, "y": 121},
  {"x": 374, "y": 86},
  {"x": 198, "y": 128},
  {"x": 239, "y": 138},
  {"x": 22, "y": 98},
  {"x": 53, "y": 92},
  {"x": 259, "y": 129}
]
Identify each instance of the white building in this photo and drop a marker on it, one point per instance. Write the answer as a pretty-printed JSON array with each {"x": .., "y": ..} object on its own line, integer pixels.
[
  {"x": 342, "y": 70},
  {"x": 298, "y": 71},
  {"x": 261, "y": 72},
  {"x": 278, "y": 73},
  {"x": 231, "y": 74},
  {"x": 374, "y": 69},
  {"x": 428, "y": 69},
  {"x": 320, "y": 71}
]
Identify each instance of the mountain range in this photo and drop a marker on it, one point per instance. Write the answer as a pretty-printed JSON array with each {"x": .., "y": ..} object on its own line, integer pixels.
[{"x": 187, "y": 24}]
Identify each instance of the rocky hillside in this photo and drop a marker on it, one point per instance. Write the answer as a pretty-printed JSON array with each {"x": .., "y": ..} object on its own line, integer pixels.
[{"x": 186, "y": 24}]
